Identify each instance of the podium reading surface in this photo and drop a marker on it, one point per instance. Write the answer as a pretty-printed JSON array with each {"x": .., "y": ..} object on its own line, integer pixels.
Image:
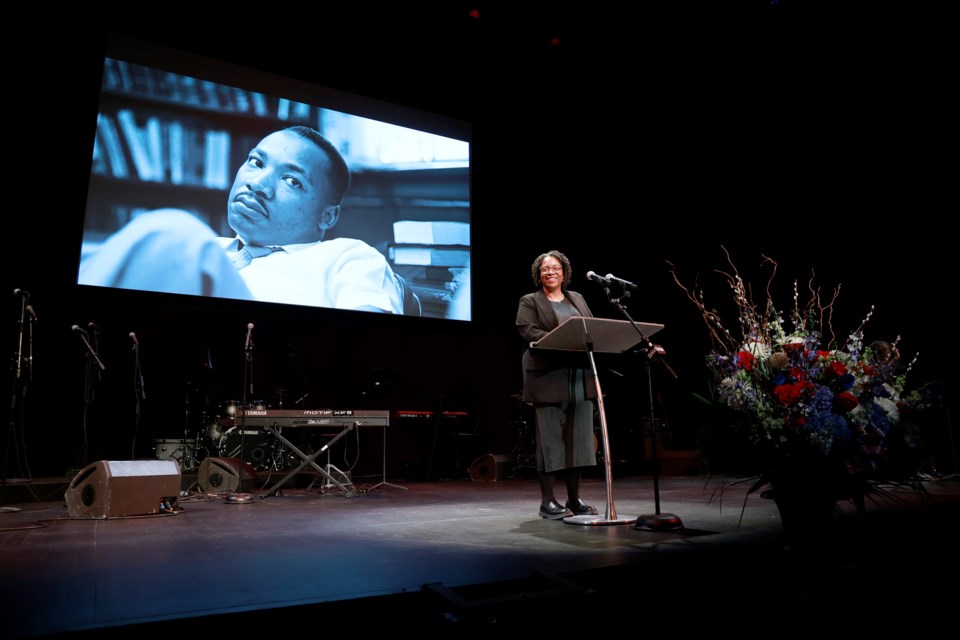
[{"x": 608, "y": 336}]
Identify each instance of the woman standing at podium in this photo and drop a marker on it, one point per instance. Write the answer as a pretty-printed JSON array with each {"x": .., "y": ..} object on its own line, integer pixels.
[{"x": 559, "y": 385}]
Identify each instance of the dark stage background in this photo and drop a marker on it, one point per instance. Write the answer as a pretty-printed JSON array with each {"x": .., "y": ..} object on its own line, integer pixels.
[{"x": 635, "y": 138}]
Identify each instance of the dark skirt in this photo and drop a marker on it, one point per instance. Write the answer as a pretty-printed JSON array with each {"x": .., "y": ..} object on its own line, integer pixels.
[{"x": 564, "y": 431}]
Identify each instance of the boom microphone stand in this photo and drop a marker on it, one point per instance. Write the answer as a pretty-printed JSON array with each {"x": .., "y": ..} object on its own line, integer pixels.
[
  {"x": 139, "y": 392},
  {"x": 95, "y": 368},
  {"x": 652, "y": 352}
]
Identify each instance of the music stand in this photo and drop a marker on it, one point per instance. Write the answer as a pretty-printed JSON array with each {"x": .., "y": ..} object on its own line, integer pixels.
[
  {"x": 601, "y": 335},
  {"x": 382, "y": 385}
]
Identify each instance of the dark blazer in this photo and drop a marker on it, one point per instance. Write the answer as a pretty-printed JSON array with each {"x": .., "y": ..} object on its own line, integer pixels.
[{"x": 546, "y": 371}]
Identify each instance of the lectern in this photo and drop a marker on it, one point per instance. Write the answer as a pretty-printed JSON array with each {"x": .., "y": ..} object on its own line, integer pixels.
[{"x": 598, "y": 335}]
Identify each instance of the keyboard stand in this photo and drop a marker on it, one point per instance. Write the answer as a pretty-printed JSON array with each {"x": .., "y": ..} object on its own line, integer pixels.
[{"x": 311, "y": 461}]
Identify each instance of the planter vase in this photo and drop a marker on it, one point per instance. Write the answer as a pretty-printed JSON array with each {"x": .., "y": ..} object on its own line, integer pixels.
[{"x": 806, "y": 500}]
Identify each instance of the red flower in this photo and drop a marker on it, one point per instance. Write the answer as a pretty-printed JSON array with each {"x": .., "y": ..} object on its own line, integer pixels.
[
  {"x": 834, "y": 370},
  {"x": 745, "y": 360},
  {"x": 844, "y": 402},
  {"x": 797, "y": 420},
  {"x": 790, "y": 394}
]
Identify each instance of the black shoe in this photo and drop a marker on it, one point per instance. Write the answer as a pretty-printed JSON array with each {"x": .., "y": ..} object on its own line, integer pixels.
[
  {"x": 580, "y": 509},
  {"x": 553, "y": 511}
]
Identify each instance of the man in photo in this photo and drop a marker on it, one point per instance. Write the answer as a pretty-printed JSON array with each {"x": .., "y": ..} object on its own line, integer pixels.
[{"x": 285, "y": 197}]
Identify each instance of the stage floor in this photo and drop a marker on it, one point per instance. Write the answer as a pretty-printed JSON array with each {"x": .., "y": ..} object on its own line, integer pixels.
[{"x": 473, "y": 552}]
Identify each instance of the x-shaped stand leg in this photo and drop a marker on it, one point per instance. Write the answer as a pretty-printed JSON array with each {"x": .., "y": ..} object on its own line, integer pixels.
[{"x": 309, "y": 460}]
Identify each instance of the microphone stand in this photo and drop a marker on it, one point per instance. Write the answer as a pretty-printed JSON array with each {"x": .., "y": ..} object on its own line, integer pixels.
[
  {"x": 241, "y": 497},
  {"x": 19, "y": 388},
  {"x": 652, "y": 352},
  {"x": 90, "y": 381},
  {"x": 140, "y": 394}
]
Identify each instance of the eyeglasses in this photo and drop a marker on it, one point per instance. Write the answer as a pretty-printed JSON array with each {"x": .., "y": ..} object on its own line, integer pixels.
[{"x": 551, "y": 269}]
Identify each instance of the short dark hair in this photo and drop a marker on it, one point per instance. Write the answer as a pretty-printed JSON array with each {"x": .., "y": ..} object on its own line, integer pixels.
[
  {"x": 564, "y": 262},
  {"x": 339, "y": 176}
]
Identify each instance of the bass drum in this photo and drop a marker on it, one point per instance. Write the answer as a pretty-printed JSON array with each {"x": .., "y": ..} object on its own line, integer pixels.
[{"x": 253, "y": 446}]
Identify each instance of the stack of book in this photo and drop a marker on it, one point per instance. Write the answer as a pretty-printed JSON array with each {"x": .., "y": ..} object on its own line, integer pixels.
[{"x": 434, "y": 257}]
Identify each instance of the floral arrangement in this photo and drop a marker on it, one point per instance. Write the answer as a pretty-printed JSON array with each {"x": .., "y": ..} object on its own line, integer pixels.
[{"x": 801, "y": 397}]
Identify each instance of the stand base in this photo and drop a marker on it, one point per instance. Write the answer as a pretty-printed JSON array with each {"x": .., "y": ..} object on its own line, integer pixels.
[
  {"x": 599, "y": 520},
  {"x": 659, "y": 522},
  {"x": 384, "y": 483},
  {"x": 239, "y": 498}
]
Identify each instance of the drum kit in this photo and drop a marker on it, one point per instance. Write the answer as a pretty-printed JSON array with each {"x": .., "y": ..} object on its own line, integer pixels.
[{"x": 222, "y": 436}]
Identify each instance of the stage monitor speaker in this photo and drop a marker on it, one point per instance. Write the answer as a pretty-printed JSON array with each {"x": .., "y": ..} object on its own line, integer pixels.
[
  {"x": 224, "y": 474},
  {"x": 490, "y": 467},
  {"x": 113, "y": 489}
]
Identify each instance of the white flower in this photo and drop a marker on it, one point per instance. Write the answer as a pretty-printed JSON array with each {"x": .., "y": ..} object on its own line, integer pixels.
[
  {"x": 757, "y": 348},
  {"x": 889, "y": 405}
]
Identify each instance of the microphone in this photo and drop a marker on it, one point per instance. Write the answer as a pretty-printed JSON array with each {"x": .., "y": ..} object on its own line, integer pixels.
[
  {"x": 249, "y": 336},
  {"x": 21, "y": 292},
  {"x": 626, "y": 283},
  {"x": 33, "y": 314},
  {"x": 133, "y": 337},
  {"x": 597, "y": 278},
  {"x": 91, "y": 351},
  {"x": 93, "y": 327}
]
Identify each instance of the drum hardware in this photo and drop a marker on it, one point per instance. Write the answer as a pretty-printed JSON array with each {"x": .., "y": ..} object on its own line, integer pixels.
[
  {"x": 177, "y": 449},
  {"x": 524, "y": 450},
  {"x": 282, "y": 458},
  {"x": 187, "y": 452}
]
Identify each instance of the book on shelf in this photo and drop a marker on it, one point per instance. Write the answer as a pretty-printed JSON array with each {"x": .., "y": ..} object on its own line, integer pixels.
[
  {"x": 217, "y": 171},
  {"x": 108, "y": 156},
  {"x": 436, "y": 232},
  {"x": 143, "y": 143},
  {"x": 429, "y": 255},
  {"x": 176, "y": 144}
]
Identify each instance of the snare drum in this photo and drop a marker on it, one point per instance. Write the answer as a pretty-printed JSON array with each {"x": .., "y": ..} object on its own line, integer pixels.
[{"x": 254, "y": 446}]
